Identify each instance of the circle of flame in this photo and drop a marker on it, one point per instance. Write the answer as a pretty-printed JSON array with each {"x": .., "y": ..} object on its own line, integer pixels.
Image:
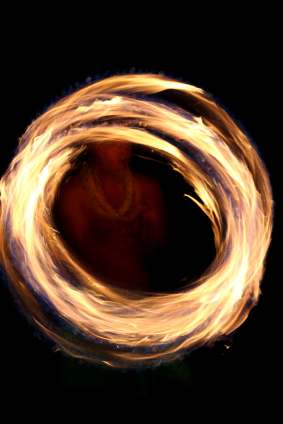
[{"x": 82, "y": 315}]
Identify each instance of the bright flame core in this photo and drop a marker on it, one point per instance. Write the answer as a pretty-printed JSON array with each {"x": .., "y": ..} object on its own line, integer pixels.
[{"x": 80, "y": 313}]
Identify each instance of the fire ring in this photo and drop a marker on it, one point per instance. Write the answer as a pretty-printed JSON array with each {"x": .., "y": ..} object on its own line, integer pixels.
[{"x": 101, "y": 324}]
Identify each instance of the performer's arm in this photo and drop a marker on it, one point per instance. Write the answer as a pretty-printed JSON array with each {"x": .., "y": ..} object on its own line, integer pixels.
[
  {"x": 72, "y": 215},
  {"x": 154, "y": 231}
]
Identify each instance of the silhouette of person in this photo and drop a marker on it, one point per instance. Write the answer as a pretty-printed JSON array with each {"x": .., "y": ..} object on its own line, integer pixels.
[{"x": 113, "y": 217}]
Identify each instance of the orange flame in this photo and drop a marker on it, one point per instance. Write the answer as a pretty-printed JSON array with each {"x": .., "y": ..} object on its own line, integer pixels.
[{"x": 110, "y": 325}]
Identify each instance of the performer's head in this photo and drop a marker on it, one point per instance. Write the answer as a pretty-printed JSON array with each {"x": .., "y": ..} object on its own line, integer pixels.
[{"x": 110, "y": 154}]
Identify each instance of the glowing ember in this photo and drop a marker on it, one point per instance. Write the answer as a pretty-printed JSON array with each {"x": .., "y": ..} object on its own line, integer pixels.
[{"x": 87, "y": 318}]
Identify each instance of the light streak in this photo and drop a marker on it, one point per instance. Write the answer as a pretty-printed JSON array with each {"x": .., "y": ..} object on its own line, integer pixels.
[{"x": 116, "y": 327}]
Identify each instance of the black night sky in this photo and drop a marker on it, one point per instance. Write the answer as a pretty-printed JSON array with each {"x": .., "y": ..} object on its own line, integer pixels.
[{"x": 241, "y": 74}]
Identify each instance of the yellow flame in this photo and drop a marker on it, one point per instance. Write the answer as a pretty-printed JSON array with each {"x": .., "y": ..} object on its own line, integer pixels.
[{"x": 113, "y": 326}]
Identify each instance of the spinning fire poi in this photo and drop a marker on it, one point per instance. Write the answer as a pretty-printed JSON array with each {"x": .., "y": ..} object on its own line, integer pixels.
[{"x": 83, "y": 315}]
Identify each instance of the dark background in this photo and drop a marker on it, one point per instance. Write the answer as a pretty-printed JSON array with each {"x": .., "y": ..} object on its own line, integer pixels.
[{"x": 240, "y": 69}]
